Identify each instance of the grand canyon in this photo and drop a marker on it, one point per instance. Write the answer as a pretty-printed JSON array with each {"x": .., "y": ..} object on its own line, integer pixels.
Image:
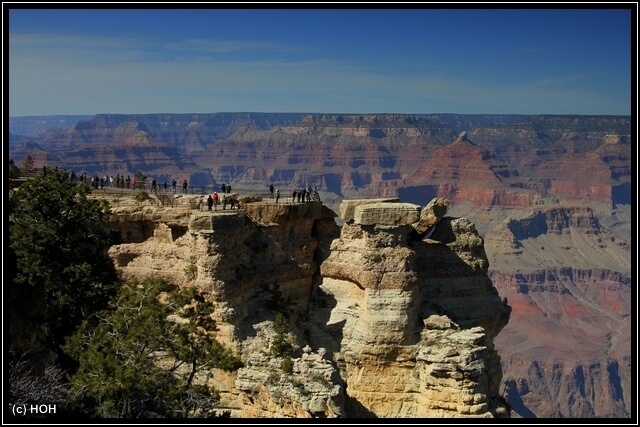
[{"x": 548, "y": 195}]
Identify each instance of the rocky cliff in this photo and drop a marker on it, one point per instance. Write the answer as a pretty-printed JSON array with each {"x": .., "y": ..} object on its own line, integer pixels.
[
  {"x": 569, "y": 337},
  {"x": 548, "y": 194},
  {"x": 386, "y": 322}
]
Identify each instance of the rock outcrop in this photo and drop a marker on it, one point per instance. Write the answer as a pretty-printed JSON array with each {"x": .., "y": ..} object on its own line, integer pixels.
[
  {"x": 548, "y": 192},
  {"x": 383, "y": 322}
]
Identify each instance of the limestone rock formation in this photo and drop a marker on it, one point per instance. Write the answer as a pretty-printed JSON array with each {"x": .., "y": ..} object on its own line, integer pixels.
[
  {"x": 431, "y": 215},
  {"x": 348, "y": 207},
  {"x": 412, "y": 323},
  {"x": 383, "y": 323},
  {"x": 386, "y": 214},
  {"x": 312, "y": 390}
]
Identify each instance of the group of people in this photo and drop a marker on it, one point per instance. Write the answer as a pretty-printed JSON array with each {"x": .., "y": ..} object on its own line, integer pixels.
[
  {"x": 119, "y": 181},
  {"x": 96, "y": 182},
  {"x": 213, "y": 200},
  {"x": 304, "y": 195}
]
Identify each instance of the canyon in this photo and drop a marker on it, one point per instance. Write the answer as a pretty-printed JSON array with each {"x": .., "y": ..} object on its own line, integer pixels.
[{"x": 549, "y": 197}]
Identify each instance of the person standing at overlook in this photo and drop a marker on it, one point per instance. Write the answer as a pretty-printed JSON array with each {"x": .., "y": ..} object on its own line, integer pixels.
[
  {"x": 216, "y": 199},
  {"x": 184, "y": 186}
]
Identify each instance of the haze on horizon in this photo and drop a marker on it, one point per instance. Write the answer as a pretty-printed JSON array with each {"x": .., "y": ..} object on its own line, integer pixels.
[{"x": 406, "y": 61}]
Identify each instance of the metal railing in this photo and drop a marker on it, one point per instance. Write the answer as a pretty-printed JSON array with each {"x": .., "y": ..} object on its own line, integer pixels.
[{"x": 165, "y": 195}]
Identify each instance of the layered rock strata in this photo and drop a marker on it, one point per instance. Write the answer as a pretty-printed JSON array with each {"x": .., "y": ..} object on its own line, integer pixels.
[
  {"x": 383, "y": 322},
  {"x": 569, "y": 337}
]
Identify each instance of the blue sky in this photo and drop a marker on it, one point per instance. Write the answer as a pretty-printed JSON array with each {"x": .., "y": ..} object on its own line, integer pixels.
[{"x": 421, "y": 60}]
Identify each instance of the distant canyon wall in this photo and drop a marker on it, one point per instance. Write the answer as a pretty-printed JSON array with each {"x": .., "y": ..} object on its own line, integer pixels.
[{"x": 500, "y": 159}]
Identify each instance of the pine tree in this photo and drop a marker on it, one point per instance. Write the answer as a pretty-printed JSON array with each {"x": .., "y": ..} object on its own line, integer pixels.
[
  {"x": 130, "y": 359},
  {"x": 27, "y": 163},
  {"x": 58, "y": 242}
]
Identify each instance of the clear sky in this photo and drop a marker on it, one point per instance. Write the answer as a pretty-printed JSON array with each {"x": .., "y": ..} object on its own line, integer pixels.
[{"x": 417, "y": 59}]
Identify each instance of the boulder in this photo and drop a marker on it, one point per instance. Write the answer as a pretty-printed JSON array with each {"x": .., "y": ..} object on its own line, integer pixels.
[{"x": 386, "y": 214}]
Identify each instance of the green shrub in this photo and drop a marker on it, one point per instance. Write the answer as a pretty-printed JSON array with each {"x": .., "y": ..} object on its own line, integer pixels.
[
  {"x": 287, "y": 365},
  {"x": 191, "y": 271},
  {"x": 281, "y": 346}
]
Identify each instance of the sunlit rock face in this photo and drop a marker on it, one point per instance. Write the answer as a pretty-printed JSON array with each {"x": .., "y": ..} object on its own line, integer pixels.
[
  {"x": 385, "y": 323},
  {"x": 398, "y": 311}
]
